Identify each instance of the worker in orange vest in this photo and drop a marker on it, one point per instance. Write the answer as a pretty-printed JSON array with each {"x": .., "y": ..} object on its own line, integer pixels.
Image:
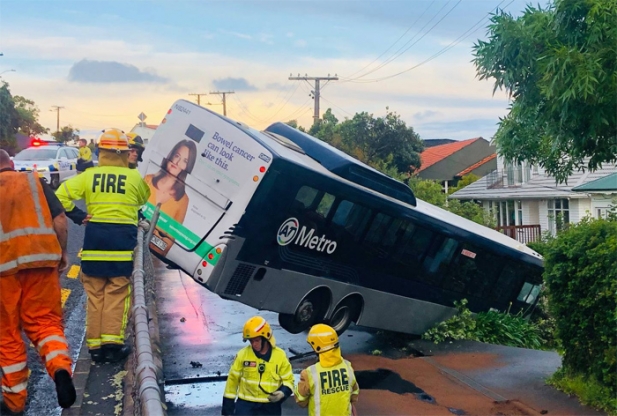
[{"x": 33, "y": 237}]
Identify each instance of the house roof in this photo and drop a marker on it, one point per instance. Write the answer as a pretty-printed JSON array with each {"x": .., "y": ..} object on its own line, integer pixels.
[
  {"x": 603, "y": 184},
  {"x": 540, "y": 186},
  {"x": 477, "y": 165},
  {"x": 436, "y": 154}
]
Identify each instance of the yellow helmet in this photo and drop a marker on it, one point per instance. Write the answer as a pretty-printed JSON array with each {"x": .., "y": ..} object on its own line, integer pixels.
[
  {"x": 258, "y": 327},
  {"x": 113, "y": 139},
  {"x": 322, "y": 338}
]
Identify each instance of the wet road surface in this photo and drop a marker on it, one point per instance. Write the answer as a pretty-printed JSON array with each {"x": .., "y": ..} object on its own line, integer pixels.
[
  {"x": 42, "y": 398},
  {"x": 200, "y": 333}
]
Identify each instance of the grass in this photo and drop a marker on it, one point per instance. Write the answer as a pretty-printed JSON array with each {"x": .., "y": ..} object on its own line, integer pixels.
[{"x": 588, "y": 390}]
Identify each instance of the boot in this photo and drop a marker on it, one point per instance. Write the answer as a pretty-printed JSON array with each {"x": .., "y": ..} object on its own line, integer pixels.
[
  {"x": 114, "y": 353},
  {"x": 97, "y": 355},
  {"x": 65, "y": 389}
]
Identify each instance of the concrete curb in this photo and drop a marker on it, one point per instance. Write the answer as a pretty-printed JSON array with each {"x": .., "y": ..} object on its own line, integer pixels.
[{"x": 80, "y": 379}]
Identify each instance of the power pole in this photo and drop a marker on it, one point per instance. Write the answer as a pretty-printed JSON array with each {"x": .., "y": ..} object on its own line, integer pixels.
[
  {"x": 199, "y": 97},
  {"x": 316, "y": 91},
  {"x": 57, "y": 108},
  {"x": 223, "y": 93}
]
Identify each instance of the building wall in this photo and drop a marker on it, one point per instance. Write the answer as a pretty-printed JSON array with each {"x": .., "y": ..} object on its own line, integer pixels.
[
  {"x": 543, "y": 214},
  {"x": 601, "y": 201}
]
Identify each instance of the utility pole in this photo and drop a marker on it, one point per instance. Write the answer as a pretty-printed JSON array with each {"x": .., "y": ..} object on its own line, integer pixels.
[
  {"x": 316, "y": 91},
  {"x": 199, "y": 97},
  {"x": 223, "y": 93},
  {"x": 57, "y": 108}
]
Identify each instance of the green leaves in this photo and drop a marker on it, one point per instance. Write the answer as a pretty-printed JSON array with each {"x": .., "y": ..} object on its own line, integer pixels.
[{"x": 560, "y": 67}]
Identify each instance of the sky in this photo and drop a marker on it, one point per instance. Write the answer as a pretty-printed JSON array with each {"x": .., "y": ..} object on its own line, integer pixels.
[{"x": 105, "y": 62}]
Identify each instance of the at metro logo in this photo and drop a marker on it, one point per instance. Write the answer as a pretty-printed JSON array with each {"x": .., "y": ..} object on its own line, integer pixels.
[{"x": 290, "y": 232}]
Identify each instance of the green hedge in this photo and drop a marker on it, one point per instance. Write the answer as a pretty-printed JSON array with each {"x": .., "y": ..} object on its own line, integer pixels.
[{"x": 581, "y": 274}]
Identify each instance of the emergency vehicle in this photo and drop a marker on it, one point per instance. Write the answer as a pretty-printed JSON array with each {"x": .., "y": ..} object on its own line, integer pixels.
[{"x": 52, "y": 160}]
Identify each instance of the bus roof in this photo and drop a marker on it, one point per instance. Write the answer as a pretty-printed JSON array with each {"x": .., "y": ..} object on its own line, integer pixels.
[{"x": 344, "y": 165}]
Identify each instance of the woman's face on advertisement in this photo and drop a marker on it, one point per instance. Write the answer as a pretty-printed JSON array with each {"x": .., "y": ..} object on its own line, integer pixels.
[{"x": 179, "y": 161}]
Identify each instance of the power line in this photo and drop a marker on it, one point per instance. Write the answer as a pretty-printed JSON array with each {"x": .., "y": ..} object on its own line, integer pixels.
[
  {"x": 397, "y": 54},
  {"x": 316, "y": 91},
  {"x": 224, "y": 94},
  {"x": 343, "y": 110},
  {"x": 199, "y": 96},
  {"x": 455, "y": 42}
]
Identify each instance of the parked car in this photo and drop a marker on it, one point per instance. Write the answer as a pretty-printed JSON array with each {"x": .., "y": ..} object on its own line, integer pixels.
[{"x": 53, "y": 161}]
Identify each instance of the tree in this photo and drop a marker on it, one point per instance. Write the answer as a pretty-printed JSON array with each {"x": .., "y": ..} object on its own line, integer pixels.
[
  {"x": 559, "y": 65},
  {"x": 465, "y": 181},
  {"x": 371, "y": 138},
  {"x": 66, "y": 133},
  {"x": 28, "y": 114},
  {"x": 8, "y": 120}
]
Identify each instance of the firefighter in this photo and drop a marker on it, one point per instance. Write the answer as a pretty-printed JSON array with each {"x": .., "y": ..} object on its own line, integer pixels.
[
  {"x": 260, "y": 376},
  {"x": 85, "y": 157},
  {"x": 328, "y": 387},
  {"x": 113, "y": 193},
  {"x": 136, "y": 149},
  {"x": 33, "y": 238}
]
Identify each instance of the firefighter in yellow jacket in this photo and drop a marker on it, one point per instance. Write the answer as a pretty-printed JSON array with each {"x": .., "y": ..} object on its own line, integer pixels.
[
  {"x": 33, "y": 238},
  {"x": 113, "y": 194},
  {"x": 329, "y": 387},
  {"x": 260, "y": 376}
]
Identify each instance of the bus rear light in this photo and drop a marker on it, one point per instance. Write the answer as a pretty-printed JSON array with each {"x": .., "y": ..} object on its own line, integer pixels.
[
  {"x": 204, "y": 263},
  {"x": 262, "y": 169},
  {"x": 218, "y": 251},
  {"x": 210, "y": 256},
  {"x": 169, "y": 112},
  {"x": 255, "y": 178},
  {"x": 199, "y": 272}
]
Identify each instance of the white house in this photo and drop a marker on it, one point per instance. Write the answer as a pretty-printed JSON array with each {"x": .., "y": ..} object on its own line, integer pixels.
[
  {"x": 526, "y": 201},
  {"x": 146, "y": 131}
]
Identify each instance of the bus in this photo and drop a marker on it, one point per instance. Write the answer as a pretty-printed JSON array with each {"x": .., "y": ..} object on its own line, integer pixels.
[{"x": 281, "y": 221}]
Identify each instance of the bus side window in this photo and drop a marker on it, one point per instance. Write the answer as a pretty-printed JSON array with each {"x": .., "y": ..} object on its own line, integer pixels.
[
  {"x": 378, "y": 227},
  {"x": 306, "y": 195},
  {"x": 509, "y": 281},
  {"x": 473, "y": 272},
  {"x": 412, "y": 252},
  {"x": 440, "y": 255},
  {"x": 325, "y": 204},
  {"x": 351, "y": 217}
]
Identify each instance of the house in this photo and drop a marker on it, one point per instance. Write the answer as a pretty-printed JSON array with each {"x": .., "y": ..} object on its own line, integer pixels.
[
  {"x": 449, "y": 162},
  {"x": 603, "y": 193},
  {"x": 527, "y": 202},
  {"x": 146, "y": 131}
]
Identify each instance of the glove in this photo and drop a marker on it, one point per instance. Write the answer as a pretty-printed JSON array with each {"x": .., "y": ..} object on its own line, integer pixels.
[
  {"x": 229, "y": 407},
  {"x": 277, "y": 396}
]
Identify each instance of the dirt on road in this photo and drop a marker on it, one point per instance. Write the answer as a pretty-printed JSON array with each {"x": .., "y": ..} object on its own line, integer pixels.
[{"x": 435, "y": 393}]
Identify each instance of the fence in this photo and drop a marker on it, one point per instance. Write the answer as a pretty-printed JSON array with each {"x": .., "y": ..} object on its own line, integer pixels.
[
  {"x": 522, "y": 233},
  {"x": 147, "y": 368}
]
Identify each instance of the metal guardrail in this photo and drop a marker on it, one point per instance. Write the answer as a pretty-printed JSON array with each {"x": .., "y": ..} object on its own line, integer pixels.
[{"x": 148, "y": 390}]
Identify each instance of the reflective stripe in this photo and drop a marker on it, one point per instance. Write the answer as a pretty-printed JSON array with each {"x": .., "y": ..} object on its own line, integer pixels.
[
  {"x": 112, "y": 338},
  {"x": 114, "y": 220},
  {"x": 127, "y": 308},
  {"x": 229, "y": 396},
  {"x": 317, "y": 390},
  {"x": 13, "y": 368},
  {"x": 253, "y": 398},
  {"x": 51, "y": 338},
  {"x": 93, "y": 342},
  {"x": 68, "y": 193},
  {"x": 31, "y": 258},
  {"x": 114, "y": 203},
  {"x": 16, "y": 389},
  {"x": 21, "y": 232},
  {"x": 257, "y": 382},
  {"x": 37, "y": 202},
  {"x": 96, "y": 255},
  {"x": 56, "y": 353},
  {"x": 234, "y": 372}
]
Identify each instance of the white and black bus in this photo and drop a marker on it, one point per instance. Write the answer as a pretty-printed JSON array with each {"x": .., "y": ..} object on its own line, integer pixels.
[{"x": 281, "y": 221}]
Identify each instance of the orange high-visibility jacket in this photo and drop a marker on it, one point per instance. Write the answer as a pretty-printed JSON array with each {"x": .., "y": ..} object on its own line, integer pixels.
[{"x": 27, "y": 237}]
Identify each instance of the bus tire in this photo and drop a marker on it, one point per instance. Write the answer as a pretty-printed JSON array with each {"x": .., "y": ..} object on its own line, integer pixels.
[
  {"x": 310, "y": 311},
  {"x": 54, "y": 180},
  {"x": 344, "y": 314}
]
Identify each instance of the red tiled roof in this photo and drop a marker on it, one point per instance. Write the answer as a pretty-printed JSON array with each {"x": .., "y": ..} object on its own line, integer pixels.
[
  {"x": 436, "y": 154},
  {"x": 152, "y": 126},
  {"x": 477, "y": 165}
]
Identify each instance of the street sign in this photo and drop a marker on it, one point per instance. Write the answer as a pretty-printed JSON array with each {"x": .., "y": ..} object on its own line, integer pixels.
[{"x": 142, "y": 116}]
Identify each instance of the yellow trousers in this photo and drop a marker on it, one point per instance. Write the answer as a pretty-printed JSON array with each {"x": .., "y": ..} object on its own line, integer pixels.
[{"x": 109, "y": 304}]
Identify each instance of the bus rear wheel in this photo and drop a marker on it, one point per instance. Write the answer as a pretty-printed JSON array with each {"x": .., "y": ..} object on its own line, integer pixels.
[
  {"x": 344, "y": 314},
  {"x": 54, "y": 181},
  {"x": 308, "y": 313}
]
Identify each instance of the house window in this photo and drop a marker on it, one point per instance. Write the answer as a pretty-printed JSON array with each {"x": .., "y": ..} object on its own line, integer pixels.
[
  {"x": 519, "y": 212},
  {"x": 602, "y": 212},
  {"x": 509, "y": 213},
  {"x": 558, "y": 214}
]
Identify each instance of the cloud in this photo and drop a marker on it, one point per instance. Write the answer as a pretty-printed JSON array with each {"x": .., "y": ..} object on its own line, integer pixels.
[
  {"x": 236, "y": 34},
  {"x": 236, "y": 84},
  {"x": 422, "y": 115},
  {"x": 276, "y": 86},
  {"x": 110, "y": 72}
]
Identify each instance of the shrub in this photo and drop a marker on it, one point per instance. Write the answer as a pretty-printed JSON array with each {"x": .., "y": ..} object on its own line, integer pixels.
[{"x": 581, "y": 274}]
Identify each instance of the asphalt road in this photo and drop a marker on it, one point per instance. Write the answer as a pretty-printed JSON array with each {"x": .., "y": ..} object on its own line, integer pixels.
[{"x": 41, "y": 389}]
